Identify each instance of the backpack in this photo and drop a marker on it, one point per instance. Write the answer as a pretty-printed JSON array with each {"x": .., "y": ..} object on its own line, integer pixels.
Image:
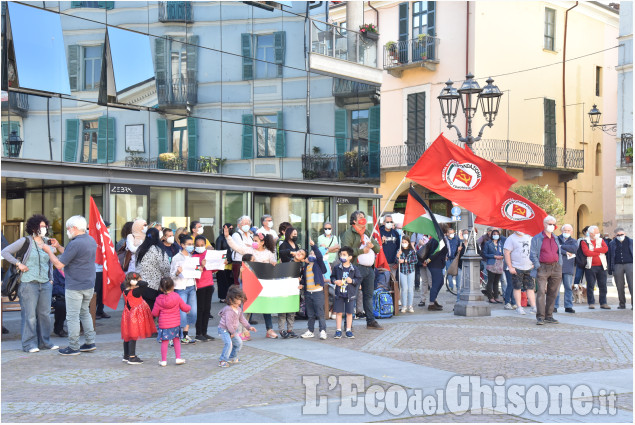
[
  {"x": 580, "y": 258},
  {"x": 382, "y": 280},
  {"x": 383, "y": 307}
]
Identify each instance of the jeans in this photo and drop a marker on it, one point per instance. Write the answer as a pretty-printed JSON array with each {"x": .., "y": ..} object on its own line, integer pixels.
[
  {"x": 509, "y": 288},
  {"x": 188, "y": 295},
  {"x": 450, "y": 277},
  {"x": 99, "y": 289},
  {"x": 620, "y": 271},
  {"x": 35, "y": 310},
  {"x": 232, "y": 345},
  {"x": 78, "y": 309},
  {"x": 368, "y": 286},
  {"x": 437, "y": 282},
  {"x": 579, "y": 273},
  {"x": 407, "y": 288},
  {"x": 567, "y": 280},
  {"x": 549, "y": 277},
  {"x": 314, "y": 302},
  {"x": 592, "y": 275}
]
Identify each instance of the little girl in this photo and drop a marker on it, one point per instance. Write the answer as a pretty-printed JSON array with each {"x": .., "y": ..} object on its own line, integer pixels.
[
  {"x": 136, "y": 319},
  {"x": 230, "y": 317},
  {"x": 168, "y": 308},
  {"x": 407, "y": 263}
]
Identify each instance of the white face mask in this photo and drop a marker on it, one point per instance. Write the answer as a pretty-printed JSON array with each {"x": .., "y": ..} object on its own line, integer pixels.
[
  {"x": 43, "y": 231},
  {"x": 551, "y": 228},
  {"x": 200, "y": 249},
  {"x": 145, "y": 229},
  {"x": 327, "y": 232},
  {"x": 621, "y": 238},
  {"x": 170, "y": 239},
  {"x": 566, "y": 235},
  {"x": 133, "y": 283},
  {"x": 405, "y": 245},
  {"x": 245, "y": 228},
  {"x": 160, "y": 234},
  {"x": 200, "y": 230},
  {"x": 269, "y": 224},
  {"x": 451, "y": 235},
  {"x": 388, "y": 226}
]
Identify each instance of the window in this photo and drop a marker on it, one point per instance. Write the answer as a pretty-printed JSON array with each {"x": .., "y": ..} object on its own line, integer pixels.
[
  {"x": 598, "y": 160},
  {"x": 93, "y": 4},
  {"x": 598, "y": 81},
  {"x": 419, "y": 18},
  {"x": 89, "y": 141},
  {"x": 269, "y": 49},
  {"x": 416, "y": 118},
  {"x": 550, "y": 29},
  {"x": 359, "y": 130},
  {"x": 92, "y": 67},
  {"x": 266, "y": 135},
  {"x": 265, "y": 53},
  {"x": 9, "y": 127},
  {"x": 178, "y": 61},
  {"x": 179, "y": 138}
]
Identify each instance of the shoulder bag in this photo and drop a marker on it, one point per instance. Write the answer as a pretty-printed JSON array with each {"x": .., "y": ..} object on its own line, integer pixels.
[{"x": 13, "y": 276}]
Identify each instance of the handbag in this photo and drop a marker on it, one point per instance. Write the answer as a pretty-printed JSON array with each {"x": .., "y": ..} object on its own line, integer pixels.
[
  {"x": 13, "y": 276},
  {"x": 124, "y": 256},
  {"x": 497, "y": 267},
  {"x": 453, "y": 270}
]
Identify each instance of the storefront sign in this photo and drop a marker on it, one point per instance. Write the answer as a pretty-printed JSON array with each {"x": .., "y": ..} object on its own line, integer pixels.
[
  {"x": 345, "y": 200},
  {"x": 129, "y": 189}
]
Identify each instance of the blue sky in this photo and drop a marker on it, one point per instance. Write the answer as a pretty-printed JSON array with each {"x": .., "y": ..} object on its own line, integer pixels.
[{"x": 131, "y": 57}]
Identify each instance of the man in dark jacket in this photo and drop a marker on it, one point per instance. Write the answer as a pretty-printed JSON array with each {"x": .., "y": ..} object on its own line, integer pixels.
[
  {"x": 621, "y": 264},
  {"x": 390, "y": 242},
  {"x": 568, "y": 249}
]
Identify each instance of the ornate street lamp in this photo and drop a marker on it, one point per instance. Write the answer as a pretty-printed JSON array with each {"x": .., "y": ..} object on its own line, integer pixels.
[
  {"x": 471, "y": 300},
  {"x": 594, "y": 117},
  {"x": 14, "y": 145}
]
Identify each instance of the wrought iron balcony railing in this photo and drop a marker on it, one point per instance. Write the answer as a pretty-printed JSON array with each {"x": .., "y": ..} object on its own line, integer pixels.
[
  {"x": 349, "y": 166},
  {"x": 626, "y": 150},
  {"x": 414, "y": 51},
  {"x": 178, "y": 92},
  {"x": 175, "y": 11},
  {"x": 202, "y": 164},
  {"x": 18, "y": 103},
  {"x": 341, "y": 43},
  {"x": 502, "y": 152}
]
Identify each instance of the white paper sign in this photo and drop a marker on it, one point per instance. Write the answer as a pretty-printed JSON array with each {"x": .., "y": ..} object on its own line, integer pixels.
[
  {"x": 191, "y": 268},
  {"x": 134, "y": 138},
  {"x": 215, "y": 260}
]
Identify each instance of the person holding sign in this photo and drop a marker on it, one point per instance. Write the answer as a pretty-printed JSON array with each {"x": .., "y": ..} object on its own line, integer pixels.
[{"x": 185, "y": 269}]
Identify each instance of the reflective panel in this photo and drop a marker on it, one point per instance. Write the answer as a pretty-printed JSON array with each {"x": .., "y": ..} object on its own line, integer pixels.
[{"x": 39, "y": 54}]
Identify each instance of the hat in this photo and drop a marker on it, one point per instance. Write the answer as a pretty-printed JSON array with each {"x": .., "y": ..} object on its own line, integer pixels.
[{"x": 254, "y": 230}]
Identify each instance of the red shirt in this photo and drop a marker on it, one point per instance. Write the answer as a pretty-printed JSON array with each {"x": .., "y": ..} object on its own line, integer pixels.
[
  {"x": 207, "y": 276},
  {"x": 595, "y": 254},
  {"x": 549, "y": 249}
]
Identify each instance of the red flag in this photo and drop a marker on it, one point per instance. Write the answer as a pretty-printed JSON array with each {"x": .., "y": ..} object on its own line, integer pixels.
[
  {"x": 106, "y": 255},
  {"x": 516, "y": 213},
  {"x": 380, "y": 260},
  {"x": 461, "y": 176}
]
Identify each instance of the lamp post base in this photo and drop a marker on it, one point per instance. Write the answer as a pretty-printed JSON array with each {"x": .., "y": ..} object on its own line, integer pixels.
[{"x": 471, "y": 302}]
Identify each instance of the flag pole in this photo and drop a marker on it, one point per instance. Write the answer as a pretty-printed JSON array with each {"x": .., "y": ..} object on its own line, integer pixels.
[{"x": 388, "y": 201}]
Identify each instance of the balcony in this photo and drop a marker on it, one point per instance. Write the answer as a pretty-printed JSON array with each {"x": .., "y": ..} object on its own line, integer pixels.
[
  {"x": 505, "y": 153},
  {"x": 17, "y": 103},
  {"x": 626, "y": 150},
  {"x": 177, "y": 93},
  {"x": 349, "y": 166},
  {"x": 356, "y": 53},
  {"x": 175, "y": 11},
  {"x": 414, "y": 53},
  {"x": 203, "y": 164}
]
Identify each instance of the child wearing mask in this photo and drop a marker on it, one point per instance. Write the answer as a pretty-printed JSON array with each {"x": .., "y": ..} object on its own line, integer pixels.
[{"x": 204, "y": 292}]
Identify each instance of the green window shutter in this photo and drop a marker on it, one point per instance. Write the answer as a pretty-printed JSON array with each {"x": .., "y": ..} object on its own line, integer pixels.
[
  {"x": 160, "y": 59},
  {"x": 280, "y": 138},
  {"x": 106, "y": 4},
  {"x": 5, "y": 137},
  {"x": 162, "y": 134},
  {"x": 248, "y": 136},
  {"x": 550, "y": 132},
  {"x": 74, "y": 66},
  {"x": 191, "y": 50},
  {"x": 112, "y": 142},
  {"x": 403, "y": 32},
  {"x": 76, "y": 4},
  {"x": 192, "y": 146},
  {"x": 279, "y": 38},
  {"x": 248, "y": 62},
  {"x": 373, "y": 140},
  {"x": 72, "y": 136},
  {"x": 432, "y": 29},
  {"x": 102, "y": 140},
  {"x": 341, "y": 131}
]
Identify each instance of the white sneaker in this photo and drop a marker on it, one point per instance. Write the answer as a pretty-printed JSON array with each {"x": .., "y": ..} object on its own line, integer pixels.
[
  {"x": 322, "y": 334},
  {"x": 34, "y": 350},
  {"x": 533, "y": 309},
  {"x": 404, "y": 309},
  {"x": 400, "y": 302},
  {"x": 180, "y": 361},
  {"x": 411, "y": 310},
  {"x": 333, "y": 316},
  {"x": 163, "y": 364},
  {"x": 307, "y": 334},
  {"x": 520, "y": 310},
  {"x": 508, "y": 306}
]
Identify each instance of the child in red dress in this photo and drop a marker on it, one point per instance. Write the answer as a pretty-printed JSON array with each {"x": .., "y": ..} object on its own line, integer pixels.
[{"x": 136, "y": 319}]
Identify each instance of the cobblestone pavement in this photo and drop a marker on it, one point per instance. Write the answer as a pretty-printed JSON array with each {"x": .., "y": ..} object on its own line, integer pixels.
[{"x": 267, "y": 385}]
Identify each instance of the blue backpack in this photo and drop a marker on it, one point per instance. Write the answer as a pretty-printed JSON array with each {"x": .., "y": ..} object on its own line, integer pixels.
[{"x": 383, "y": 307}]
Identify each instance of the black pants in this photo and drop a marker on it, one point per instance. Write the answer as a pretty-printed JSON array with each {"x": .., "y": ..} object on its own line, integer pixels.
[
  {"x": 596, "y": 274},
  {"x": 224, "y": 279},
  {"x": 418, "y": 274},
  {"x": 59, "y": 304},
  {"x": 203, "y": 306},
  {"x": 129, "y": 348},
  {"x": 99, "y": 289},
  {"x": 492, "y": 285},
  {"x": 368, "y": 287},
  {"x": 314, "y": 302},
  {"x": 149, "y": 295}
]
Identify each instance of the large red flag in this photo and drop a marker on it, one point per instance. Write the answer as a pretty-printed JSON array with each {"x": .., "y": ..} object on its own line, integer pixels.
[
  {"x": 516, "y": 213},
  {"x": 460, "y": 176},
  {"x": 380, "y": 260},
  {"x": 106, "y": 255}
]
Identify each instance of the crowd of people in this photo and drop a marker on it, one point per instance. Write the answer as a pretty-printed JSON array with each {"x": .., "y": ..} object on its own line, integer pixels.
[{"x": 162, "y": 301}]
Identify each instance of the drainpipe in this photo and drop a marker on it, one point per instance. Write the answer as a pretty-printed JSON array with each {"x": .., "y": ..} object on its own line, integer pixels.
[
  {"x": 564, "y": 98},
  {"x": 376, "y": 14}
]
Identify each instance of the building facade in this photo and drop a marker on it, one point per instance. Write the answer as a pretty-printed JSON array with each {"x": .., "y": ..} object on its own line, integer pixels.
[{"x": 179, "y": 111}]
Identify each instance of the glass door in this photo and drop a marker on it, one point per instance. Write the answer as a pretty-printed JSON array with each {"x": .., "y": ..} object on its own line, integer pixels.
[{"x": 127, "y": 203}]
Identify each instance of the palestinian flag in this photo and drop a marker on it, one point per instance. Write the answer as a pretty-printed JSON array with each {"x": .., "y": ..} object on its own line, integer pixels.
[
  {"x": 420, "y": 219},
  {"x": 271, "y": 289}
]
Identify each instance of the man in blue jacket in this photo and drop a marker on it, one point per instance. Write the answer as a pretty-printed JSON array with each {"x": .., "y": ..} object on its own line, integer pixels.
[
  {"x": 621, "y": 264},
  {"x": 568, "y": 249},
  {"x": 452, "y": 248},
  {"x": 545, "y": 256},
  {"x": 390, "y": 240}
]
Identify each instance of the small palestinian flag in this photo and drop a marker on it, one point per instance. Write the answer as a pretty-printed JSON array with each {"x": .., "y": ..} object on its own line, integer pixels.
[
  {"x": 420, "y": 219},
  {"x": 271, "y": 289}
]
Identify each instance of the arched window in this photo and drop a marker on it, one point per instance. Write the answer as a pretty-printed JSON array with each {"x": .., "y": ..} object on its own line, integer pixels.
[{"x": 598, "y": 160}]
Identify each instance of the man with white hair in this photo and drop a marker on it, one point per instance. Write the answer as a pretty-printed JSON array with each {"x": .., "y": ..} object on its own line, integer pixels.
[
  {"x": 78, "y": 262},
  {"x": 242, "y": 236},
  {"x": 594, "y": 249},
  {"x": 545, "y": 256},
  {"x": 266, "y": 227},
  {"x": 568, "y": 249}
]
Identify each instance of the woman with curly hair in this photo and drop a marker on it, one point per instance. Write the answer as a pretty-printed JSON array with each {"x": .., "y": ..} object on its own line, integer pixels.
[{"x": 36, "y": 287}]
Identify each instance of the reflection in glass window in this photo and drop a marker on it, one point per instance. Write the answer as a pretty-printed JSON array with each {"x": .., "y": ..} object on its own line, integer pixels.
[
  {"x": 92, "y": 67},
  {"x": 179, "y": 138},
  {"x": 131, "y": 58},
  {"x": 89, "y": 141},
  {"x": 178, "y": 61},
  {"x": 266, "y": 135},
  {"x": 419, "y": 18},
  {"x": 359, "y": 130},
  {"x": 93, "y": 4},
  {"x": 265, "y": 53}
]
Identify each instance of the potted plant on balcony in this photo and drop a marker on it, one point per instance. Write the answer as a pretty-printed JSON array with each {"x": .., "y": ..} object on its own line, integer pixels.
[
  {"x": 167, "y": 161},
  {"x": 391, "y": 48},
  {"x": 628, "y": 156},
  {"x": 369, "y": 31}
]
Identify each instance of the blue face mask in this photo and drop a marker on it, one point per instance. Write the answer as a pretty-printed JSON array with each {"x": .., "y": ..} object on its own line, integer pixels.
[
  {"x": 495, "y": 237},
  {"x": 189, "y": 248},
  {"x": 343, "y": 259}
]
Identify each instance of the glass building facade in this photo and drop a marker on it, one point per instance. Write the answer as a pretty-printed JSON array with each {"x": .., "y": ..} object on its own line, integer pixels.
[{"x": 178, "y": 111}]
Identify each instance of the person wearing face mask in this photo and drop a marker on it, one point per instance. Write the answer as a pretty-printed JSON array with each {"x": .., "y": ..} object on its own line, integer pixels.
[
  {"x": 580, "y": 259},
  {"x": 35, "y": 290},
  {"x": 204, "y": 292},
  {"x": 168, "y": 243},
  {"x": 224, "y": 277},
  {"x": 329, "y": 242},
  {"x": 78, "y": 262},
  {"x": 266, "y": 227},
  {"x": 185, "y": 286},
  {"x": 621, "y": 264},
  {"x": 242, "y": 236},
  {"x": 516, "y": 252},
  {"x": 134, "y": 240},
  {"x": 153, "y": 264},
  {"x": 545, "y": 256},
  {"x": 594, "y": 250},
  {"x": 197, "y": 229},
  {"x": 452, "y": 252},
  {"x": 289, "y": 246},
  {"x": 407, "y": 258},
  {"x": 568, "y": 249},
  {"x": 390, "y": 243},
  {"x": 493, "y": 254}
]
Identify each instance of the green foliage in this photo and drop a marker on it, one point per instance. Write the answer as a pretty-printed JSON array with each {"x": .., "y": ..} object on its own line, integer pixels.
[{"x": 544, "y": 197}]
